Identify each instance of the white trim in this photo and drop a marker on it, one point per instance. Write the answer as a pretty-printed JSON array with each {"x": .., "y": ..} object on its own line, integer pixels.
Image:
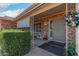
[
  {"x": 32, "y": 30},
  {"x": 49, "y": 29},
  {"x": 66, "y": 30}
]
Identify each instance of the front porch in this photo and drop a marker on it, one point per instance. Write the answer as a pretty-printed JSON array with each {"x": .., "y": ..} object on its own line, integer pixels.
[
  {"x": 36, "y": 51},
  {"x": 49, "y": 26}
]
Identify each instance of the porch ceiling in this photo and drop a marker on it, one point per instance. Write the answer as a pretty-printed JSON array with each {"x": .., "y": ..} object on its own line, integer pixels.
[{"x": 57, "y": 9}]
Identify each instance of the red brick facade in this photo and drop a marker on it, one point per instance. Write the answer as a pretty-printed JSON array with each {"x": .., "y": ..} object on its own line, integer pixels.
[
  {"x": 7, "y": 24},
  {"x": 71, "y": 33}
]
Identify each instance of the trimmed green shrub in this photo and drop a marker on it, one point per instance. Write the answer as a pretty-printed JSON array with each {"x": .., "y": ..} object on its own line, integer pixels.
[
  {"x": 14, "y": 42},
  {"x": 71, "y": 51}
]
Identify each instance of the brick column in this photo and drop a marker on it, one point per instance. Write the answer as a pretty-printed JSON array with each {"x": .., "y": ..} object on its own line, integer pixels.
[{"x": 71, "y": 34}]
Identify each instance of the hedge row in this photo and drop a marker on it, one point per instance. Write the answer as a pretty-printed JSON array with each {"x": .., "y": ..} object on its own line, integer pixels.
[{"x": 14, "y": 42}]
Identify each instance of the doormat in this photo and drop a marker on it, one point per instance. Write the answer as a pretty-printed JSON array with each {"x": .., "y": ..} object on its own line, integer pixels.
[{"x": 54, "y": 47}]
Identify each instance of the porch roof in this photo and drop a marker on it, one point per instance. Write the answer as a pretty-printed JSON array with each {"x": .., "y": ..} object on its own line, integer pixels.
[
  {"x": 32, "y": 8},
  {"x": 58, "y": 9}
]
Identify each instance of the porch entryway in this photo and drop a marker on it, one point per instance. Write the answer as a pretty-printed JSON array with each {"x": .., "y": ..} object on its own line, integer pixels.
[
  {"x": 49, "y": 30},
  {"x": 49, "y": 26}
]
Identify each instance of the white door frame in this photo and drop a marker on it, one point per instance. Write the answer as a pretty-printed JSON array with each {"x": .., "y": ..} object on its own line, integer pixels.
[{"x": 49, "y": 38}]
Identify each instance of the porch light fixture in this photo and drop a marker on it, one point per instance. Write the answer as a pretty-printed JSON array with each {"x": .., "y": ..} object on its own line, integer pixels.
[{"x": 45, "y": 23}]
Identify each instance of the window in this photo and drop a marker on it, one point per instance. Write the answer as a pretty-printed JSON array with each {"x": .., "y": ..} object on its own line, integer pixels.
[
  {"x": 37, "y": 27},
  {"x": 51, "y": 29}
]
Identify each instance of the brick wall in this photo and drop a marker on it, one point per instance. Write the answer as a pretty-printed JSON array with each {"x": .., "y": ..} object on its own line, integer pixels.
[
  {"x": 8, "y": 24},
  {"x": 71, "y": 33}
]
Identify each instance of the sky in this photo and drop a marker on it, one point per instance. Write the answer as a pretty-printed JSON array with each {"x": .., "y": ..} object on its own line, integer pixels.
[{"x": 12, "y": 9}]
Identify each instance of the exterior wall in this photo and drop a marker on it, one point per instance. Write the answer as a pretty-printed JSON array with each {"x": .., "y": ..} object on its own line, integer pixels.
[
  {"x": 23, "y": 23},
  {"x": 7, "y": 24},
  {"x": 41, "y": 30}
]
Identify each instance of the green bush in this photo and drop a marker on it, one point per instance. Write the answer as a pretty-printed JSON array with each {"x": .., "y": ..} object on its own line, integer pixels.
[
  {"x": 71, "y": 51},
  {"x": 14, "y": 42}
]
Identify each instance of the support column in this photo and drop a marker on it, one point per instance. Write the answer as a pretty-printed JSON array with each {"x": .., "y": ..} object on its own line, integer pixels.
[
  {"x": 66, "y": 30},
  {"x": 77, "y": 32},
  {"x": 32, "y": 30}
]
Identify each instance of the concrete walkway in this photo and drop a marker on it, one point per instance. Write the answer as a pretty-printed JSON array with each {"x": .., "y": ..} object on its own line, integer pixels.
[{"x": 36, "y": 51}]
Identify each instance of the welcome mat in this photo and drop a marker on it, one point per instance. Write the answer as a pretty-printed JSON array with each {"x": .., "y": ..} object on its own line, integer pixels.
[{"x": 54, "y": 47}]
